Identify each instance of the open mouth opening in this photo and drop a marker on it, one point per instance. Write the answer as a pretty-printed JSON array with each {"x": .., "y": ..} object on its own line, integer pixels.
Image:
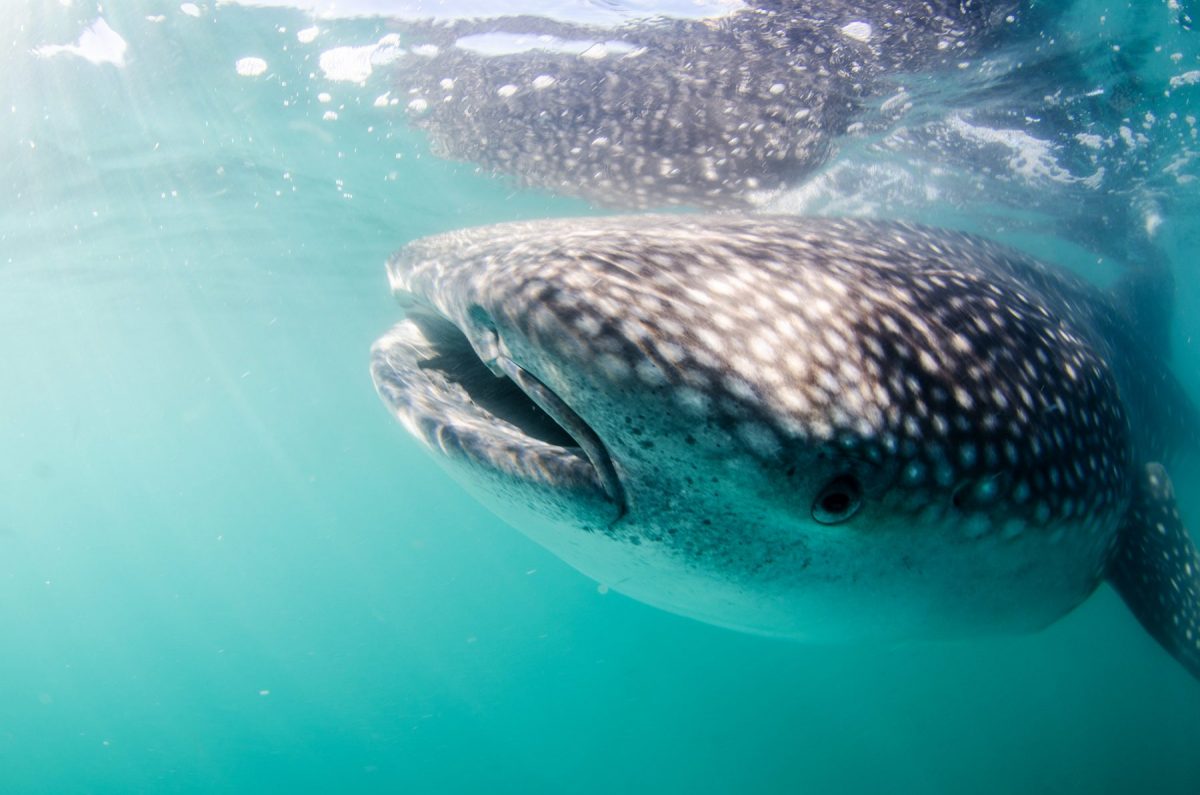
[
  {"x": 455, "y": 360},
  {"x": 429, "y": 373}
]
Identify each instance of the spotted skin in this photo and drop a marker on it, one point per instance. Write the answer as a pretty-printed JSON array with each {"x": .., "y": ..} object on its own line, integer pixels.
[
  {"x": 708, "y": 113},
  {"x": 1157, "y": 568},
  {"x": 991, "y": 411}
]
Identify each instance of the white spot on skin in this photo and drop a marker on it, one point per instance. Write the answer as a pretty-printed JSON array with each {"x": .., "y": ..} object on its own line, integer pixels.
[
  {"x": 649, "y": 373},
  {"x": 542, "y": 82},
  {"x": 670, "y": 351},
  {"x": 307, "y": 35},
  {"x": 692, "y": 401},
  {"x": 759, "y": 438},
  {"x": 506, "y": 90},
  {"x": 820, "y": 429},
  {"x": 967, "y": 455},
  {"x": 1012, "y": 528},
  {"x": 711, "y": 340},
  {"x": 859, "y": 31},
  {"x": 944, "y": 475},
  {"x": 763, "y": 349},
  {"x": 615, "y": 368},
  {"x": 739, "y": 388},
  {"x": 418, "y": 105},
  {"x": 588, "y": 325},
  {"x": 976, "y": 525}
]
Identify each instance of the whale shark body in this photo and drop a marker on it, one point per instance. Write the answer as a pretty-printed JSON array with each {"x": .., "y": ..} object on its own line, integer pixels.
[{"x": 812, "y": 428}]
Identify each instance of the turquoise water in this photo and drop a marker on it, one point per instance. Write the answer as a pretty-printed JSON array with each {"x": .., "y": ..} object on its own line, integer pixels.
[{"x": 225, "y": 567}]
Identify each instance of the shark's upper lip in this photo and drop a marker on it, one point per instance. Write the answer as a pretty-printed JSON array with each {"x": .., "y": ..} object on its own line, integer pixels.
[
  {"x": 572, "y": 423},
  {"x": 432, "y": 377}
]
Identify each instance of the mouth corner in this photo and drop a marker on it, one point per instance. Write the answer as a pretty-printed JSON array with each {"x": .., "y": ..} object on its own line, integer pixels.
[
  {"x": 576, "y": 428},
  {"x": 431, "y": 378}
]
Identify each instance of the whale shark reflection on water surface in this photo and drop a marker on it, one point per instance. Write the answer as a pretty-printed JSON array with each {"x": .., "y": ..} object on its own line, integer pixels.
[{"x": 714, "y": 113}]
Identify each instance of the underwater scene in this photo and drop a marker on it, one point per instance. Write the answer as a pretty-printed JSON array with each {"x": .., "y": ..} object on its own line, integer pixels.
[{"x": 599, "y": 396}]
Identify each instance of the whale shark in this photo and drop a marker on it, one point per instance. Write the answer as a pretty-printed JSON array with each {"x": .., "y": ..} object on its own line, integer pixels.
[
  {"x": 712, "y": 113},
  {"x": 814, "y": 428}
]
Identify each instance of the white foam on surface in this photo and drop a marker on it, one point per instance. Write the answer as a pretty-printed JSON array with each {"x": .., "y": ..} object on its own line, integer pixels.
[
  {"x": 355, "y": 64},
  {"x": 589, "y": 13},
  {"x": 250, "y": 66},
  {"x": 98, "y": 44},
  {"x": 1186, "y": 79},
  {"x": 1032, "y": 158},
  {"x": 492, "y": 44}
]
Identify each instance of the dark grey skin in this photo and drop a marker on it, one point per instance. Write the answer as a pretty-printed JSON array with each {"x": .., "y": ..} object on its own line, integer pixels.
[
  {"x": 811, "y": 428},
  {"x": 707, "y": 113}
]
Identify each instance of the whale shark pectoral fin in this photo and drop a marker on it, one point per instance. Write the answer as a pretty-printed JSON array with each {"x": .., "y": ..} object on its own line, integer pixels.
[{"x": 1156, "y": 568}]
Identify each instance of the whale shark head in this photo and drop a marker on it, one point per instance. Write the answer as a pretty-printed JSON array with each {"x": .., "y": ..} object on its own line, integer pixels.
[{"x": 799, "y": 427}]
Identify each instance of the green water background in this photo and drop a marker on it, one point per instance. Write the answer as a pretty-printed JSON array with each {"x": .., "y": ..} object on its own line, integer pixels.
[{"x": 224, "y": 567}]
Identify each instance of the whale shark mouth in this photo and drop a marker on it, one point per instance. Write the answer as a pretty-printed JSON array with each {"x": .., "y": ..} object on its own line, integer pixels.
[{"x": 426, "y": 370}]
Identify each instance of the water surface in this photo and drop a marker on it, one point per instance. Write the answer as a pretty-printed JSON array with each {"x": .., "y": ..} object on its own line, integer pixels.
[{"x": 224, "y": 567}]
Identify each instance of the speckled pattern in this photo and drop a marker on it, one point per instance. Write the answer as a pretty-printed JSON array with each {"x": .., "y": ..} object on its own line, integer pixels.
[
  {"x": 972, "y": 397},
  {"x": 961, "y": 363},
  {"x": 1157, "y": 568},
  {"x": 705, "y": 113}
]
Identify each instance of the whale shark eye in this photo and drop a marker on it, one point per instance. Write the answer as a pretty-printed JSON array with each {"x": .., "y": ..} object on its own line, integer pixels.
[{"x": 838, "y": 500}]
